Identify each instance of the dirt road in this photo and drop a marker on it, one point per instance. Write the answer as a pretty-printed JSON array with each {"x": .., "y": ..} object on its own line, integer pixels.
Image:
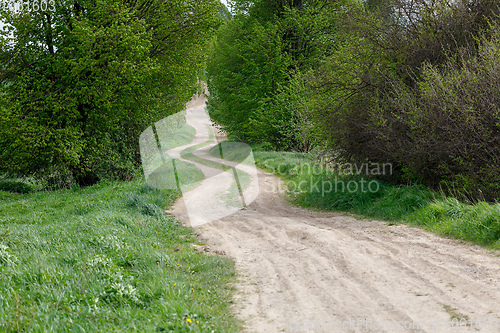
[{"x": 304, "y": 271}]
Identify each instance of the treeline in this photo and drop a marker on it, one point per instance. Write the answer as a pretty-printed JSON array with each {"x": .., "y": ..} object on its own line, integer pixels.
[
  {"x": 81, "y": 79},
  {"x": 255, "y": 60},
  {"x": 412, "y": 83}
]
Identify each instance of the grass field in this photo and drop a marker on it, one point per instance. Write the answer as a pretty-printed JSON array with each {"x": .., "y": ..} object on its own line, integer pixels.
[
  {"x": 316, "y": 188},
  {"x": 106, "y": 259}
]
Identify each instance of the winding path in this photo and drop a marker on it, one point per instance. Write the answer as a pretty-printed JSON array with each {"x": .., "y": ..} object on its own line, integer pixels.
[{"x": 304, "y": 271}]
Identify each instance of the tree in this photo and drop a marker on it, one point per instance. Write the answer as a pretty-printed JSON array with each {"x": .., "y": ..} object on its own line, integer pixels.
[
  {"x": 245, "y": 70},
  {"x": 80, "y": 81},
  {"x": 254, "y": 62}
]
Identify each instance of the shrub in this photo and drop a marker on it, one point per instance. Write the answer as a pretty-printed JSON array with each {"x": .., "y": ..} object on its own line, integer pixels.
[
  {"x": 417, "y": 91},
  {"x": 453, "y": 122},
  {"x": 15, "y": 186}
]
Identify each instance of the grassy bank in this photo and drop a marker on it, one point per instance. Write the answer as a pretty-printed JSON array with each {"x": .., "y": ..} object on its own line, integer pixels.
[
  {"x": 106, "y": 258},
  {"x": 313, "y": 186}
]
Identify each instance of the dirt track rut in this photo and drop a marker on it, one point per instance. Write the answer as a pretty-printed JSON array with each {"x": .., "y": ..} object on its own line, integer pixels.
[{"x": 305, "y": 271}]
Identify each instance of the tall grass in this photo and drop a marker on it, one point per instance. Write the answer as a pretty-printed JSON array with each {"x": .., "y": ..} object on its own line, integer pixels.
[
  {"x": 479, "y": 223},
  {"x": 106, "y": 258},
  {"x": 412, "y": 204}
]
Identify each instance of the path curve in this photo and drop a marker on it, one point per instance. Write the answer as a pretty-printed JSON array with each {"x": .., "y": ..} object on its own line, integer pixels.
[{"x": 304, "y": 271}]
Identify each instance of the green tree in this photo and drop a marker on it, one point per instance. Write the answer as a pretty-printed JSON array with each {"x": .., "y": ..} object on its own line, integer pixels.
[
  {"x": 245, "y": 70},
  {"x": 251, "y": 74},
  {"x": 81, "y": 80}
]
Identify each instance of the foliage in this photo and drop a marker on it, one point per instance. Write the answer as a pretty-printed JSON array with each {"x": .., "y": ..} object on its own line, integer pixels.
[
  {"x": 246, "y": 67},
  {"x": 255, "y": 94},
  {"x": 453, "y": 113},
  {"x": 79, "y": 83},
  {"x": 14, "y": 186},
  {"x": 410, "y": 83}
]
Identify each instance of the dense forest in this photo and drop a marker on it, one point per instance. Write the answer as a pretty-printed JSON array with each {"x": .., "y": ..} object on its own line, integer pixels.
[{"x": 408, "y": 82}]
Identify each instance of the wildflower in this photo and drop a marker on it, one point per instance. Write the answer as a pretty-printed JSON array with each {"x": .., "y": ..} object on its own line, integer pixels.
[
  {"x": 192, "y": 289},
  {"x": 294, "y": 171},
  {"x": 188, "y": 320},
  {"x": 174, "y": 284},
  {"x": 197, "y": 321}
]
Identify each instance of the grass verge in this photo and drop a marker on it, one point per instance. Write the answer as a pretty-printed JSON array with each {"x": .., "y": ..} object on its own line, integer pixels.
[
  {"x": 309, "y": 185},
  {"x": 106, "y": 258}
]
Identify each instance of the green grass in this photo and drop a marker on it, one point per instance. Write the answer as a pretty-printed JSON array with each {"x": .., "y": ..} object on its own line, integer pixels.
[
  {"x": 188, "y": 176},
  {"x": 106, "y": 258},
  {"x": 479, "y": 223},
  {"x": 415, "y": 204},
  {"x": 233, "y": 151},
  {"x": 19, "y": 185}
]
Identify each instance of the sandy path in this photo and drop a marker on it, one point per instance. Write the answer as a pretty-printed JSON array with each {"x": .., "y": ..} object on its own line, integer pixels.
[{"x": 304, "y": 271}]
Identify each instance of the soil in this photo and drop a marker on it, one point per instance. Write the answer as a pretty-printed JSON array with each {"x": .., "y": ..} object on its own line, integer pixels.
[{"x": 306, "y": 271}]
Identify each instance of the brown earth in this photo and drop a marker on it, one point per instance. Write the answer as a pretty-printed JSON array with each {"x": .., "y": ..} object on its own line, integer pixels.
[{"x": 306, "y": 271}]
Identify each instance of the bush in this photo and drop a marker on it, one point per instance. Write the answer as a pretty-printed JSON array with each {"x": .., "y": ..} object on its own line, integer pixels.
[
  {"x": 15, "y": 186},
  {"x": 422, "y": 96},
  {"x": 453, "y": 122}
]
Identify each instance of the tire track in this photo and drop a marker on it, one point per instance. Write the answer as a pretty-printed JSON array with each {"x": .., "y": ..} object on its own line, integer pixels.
[{"x": 304, "y": 271}]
